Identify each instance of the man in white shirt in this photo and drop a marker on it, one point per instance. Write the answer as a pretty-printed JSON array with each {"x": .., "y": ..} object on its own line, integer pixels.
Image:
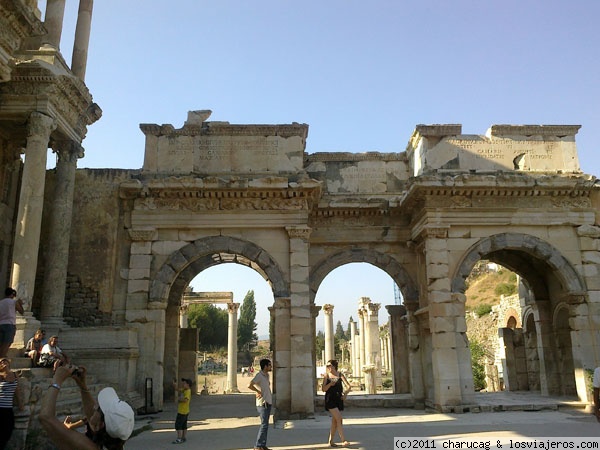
[{"x": 264, "y": 400}]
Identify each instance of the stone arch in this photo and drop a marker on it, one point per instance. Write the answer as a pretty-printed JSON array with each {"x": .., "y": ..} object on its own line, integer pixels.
[
  {"x": 184, "y": 264},
  {"x": 550, "y": 277},
  {"x": 527, "y": 255},
  {"x": 380, "y": 260}
]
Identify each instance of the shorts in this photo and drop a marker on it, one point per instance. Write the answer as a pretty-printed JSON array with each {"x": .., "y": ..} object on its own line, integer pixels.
[
  {"x": 181, "y": 421},
  {"x": 7, "y": 333}
]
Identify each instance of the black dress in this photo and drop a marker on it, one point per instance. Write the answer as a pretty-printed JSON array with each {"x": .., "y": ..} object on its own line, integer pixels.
[{"x": 333, "y": 395}]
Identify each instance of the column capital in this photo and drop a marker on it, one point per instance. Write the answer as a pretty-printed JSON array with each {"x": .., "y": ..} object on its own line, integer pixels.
[
  {"x": 328, "y": 309},
  {"x": 41, "y": 125},
  {"x": 67, "y": 150},
  {"x": 373, "y": 309},
  {"x": 301, "y": 232},
  {"x": 232, "y": 308},
  {"x": 396, "y": 310},
  {"x": 314, "y": 311}
]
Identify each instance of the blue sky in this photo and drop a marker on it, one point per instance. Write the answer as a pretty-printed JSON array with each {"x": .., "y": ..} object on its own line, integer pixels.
[{"x": 360, "y": 74}]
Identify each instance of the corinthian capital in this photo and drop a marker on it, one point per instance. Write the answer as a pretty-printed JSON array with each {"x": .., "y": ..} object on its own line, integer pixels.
[{"x": 40, "y": 125}]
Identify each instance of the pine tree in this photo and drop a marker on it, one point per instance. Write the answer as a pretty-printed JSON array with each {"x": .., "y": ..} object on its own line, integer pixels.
[{"x": 246, "y": 324}]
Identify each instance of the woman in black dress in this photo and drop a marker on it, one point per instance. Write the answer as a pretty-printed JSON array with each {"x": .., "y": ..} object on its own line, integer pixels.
[{"x": 333, "y": 386}]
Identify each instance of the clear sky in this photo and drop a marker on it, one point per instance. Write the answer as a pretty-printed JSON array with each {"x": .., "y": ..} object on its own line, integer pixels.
[{"x": 360, "y": 74}]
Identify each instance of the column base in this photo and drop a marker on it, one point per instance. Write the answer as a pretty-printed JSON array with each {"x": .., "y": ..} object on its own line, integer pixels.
[{"x": 53, "y": 325}]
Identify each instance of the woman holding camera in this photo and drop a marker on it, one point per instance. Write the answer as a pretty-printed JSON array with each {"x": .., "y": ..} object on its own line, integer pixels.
[{"x": 109, "y": 420}]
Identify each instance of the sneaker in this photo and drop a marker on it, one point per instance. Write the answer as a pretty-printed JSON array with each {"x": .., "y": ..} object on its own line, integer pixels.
[{"x": 178, "y": 441}]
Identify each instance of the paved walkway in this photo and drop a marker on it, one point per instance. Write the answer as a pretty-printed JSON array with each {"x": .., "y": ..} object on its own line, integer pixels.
[{"x": 222, "y": 422}]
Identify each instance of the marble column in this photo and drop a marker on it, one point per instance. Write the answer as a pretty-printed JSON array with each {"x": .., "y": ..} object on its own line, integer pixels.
[
  {"x": 82, "y": 38},
  {"x": 53, "y": 22},
  {"x": 373, "y": 356},
  {"x": 183, "y": 316},
  {"x": 354, "y": 358},
  {"x": 362, "y": 313},
  {"x": 31, "y": 202},
  {"x": 232, "y": 309},
  {"x": 314, "y": 313},
  {"x": 57, "y": 259},
  {"x": 329, "y": 341}
]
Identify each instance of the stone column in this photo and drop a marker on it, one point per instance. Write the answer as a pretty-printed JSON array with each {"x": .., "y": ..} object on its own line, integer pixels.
[
  {"x": 362, "y": 314},
  {"x": 329, "y": 341},
  {"x": 314, "y": 313},
  {"x": 415, "y": 364},
  {"x": 399, "y": 364},
  {"x": 53, "y": 22},
  {"x": 302, "y": 343},
  {"x": 232, "y": 309},
  {"x": 549, "y": 381},
  {"x": 373, "y": 356},
  {"x": 282, "y": 372},
  {"x": 183, "y": 316},
  {"x": 31, "y": 203},
  {"x": 82, "y": 38},
  {"x": 57, "y": 259},
  {"x": 354, "y": 358}
]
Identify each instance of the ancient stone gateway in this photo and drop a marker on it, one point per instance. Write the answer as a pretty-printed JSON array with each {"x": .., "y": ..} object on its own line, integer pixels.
[{"x": 212, "y": 193}]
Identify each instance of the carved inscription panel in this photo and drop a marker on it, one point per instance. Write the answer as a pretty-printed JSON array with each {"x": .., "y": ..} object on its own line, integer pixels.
[
  {"x": 481, "y": 153},
  {"x": 228, "y": 154}
]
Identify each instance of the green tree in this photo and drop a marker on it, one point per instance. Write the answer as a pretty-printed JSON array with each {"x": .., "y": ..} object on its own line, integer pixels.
[
  {"x": 212, "y": 325},
  {"x": 319, "y": 344},
  {"x": 339, "y": 331},
  {"x": 478, "y": 355},
  {"x": 246, "y": 324},
  {"x": 349, "y": 330}
]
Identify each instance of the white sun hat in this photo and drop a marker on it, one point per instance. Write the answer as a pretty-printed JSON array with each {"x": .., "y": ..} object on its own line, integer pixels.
[{"x": 118, "y": 415}]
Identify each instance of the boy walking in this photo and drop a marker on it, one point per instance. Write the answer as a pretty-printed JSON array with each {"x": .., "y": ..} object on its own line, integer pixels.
[{"x": 184, "y": 395}]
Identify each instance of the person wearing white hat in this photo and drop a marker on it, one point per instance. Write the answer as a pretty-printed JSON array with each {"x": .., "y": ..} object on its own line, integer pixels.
[{"x": 109, "y": 422}]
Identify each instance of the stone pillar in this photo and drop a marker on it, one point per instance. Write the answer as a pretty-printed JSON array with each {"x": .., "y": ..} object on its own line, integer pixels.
[
  {"x": 415, "y": 359},
  {"x": 282, "y": 356},
  {"x": 232, "y": 309},
  {"x": 329, "y": 341},
  {"x": 362, "y": 314},
  {"x": 549, "y": 381},
  {"x": 372, "y": 350},
  {"x": 57, "y": 259},
  {"x": 183, "y": 316},
  {"x": 31, "y": 202},
  {"x": 82, "y": 38},
  {"x": 53, "y": 22},
  {"x": 302, "y": 342},
  {"x": 399, "y": 364},
  {"x": 354, "y": 358},
  {"x": 450, "y": 354},
  {"x": 314, "y": 313}
]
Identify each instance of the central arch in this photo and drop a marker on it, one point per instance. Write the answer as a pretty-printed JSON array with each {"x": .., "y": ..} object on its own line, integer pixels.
[{"x": 180, "y": 268}]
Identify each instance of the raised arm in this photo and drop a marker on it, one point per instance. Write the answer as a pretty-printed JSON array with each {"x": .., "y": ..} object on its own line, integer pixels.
[{"x": 59, "y": 434}]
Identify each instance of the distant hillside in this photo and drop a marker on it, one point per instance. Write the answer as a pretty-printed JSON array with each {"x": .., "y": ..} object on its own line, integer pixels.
[{"x": 486, "y": 286}]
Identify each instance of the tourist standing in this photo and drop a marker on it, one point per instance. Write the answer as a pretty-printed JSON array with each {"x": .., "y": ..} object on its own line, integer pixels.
[
  {"x": 9, "y": 391},
  {"x": 9, "y": 306},
  {"x": 264, "y": 400},
  {"x": 184, "y": 396},
  {"x": 333, "y": 386}
]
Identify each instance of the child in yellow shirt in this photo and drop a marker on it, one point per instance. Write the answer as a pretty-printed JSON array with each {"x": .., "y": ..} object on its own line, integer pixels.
[{"x": 184, "y": 395}]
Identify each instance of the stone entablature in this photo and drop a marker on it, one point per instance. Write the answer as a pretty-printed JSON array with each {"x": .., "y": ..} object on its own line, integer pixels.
[
  {"x": 529, "y": 148},
  {"x": 202, "y": 147}
]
